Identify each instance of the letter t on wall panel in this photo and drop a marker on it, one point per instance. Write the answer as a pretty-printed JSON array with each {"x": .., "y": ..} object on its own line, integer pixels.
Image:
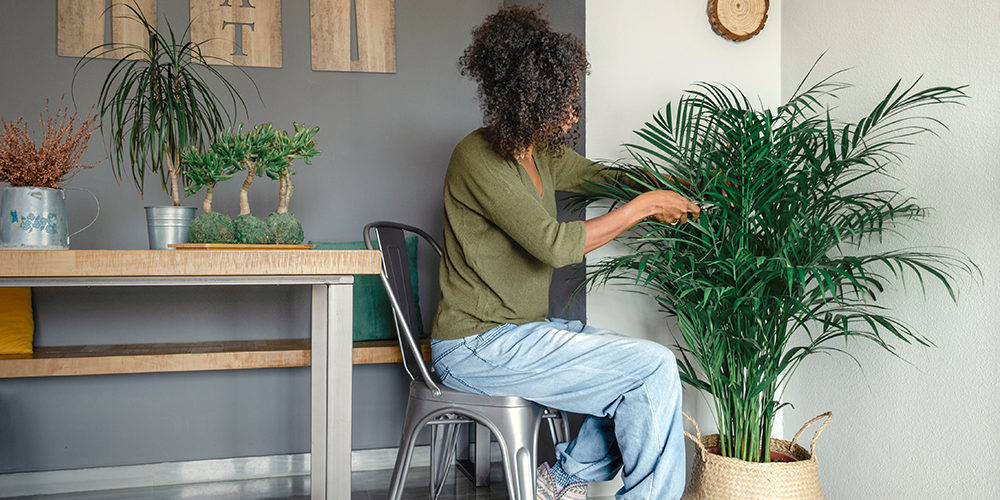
[
  {"x": 330, "y": 24},
  {"x": 241, "y": 32}
]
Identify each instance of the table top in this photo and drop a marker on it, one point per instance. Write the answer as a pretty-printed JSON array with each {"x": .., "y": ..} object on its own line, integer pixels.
[{"x": 189, "y": 263}]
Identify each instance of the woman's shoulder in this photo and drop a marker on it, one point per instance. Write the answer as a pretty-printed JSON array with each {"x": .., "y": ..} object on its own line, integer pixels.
[
  {"x": 477, "y": 142},
  {"x": 474, "y": 153}
]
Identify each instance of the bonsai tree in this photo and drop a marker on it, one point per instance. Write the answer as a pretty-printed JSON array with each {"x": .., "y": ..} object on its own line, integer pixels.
[
  {"x": 283, "y": 227},
  {"x": 217, "y": 164},
  {"x": 24, "y": 163},
  {"x": 786, "y": 248},
  {"x": 263, "y": 151},
  {"x": 154, "y": 104},
  {"x": 261, "y": 156}
]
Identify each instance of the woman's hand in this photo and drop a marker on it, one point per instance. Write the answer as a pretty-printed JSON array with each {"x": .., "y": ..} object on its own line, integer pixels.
[
  {"x": 663, "y": 205},
  {"x": 669, "y": 207}
]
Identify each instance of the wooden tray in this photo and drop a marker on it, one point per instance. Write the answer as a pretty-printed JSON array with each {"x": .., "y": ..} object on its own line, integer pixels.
[{"x": 236, "y": 246}]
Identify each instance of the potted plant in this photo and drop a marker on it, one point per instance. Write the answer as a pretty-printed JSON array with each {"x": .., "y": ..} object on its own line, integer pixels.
[
  {"x": 33, "y": 207},
  {"x": 282, "y": 226},
  {"x": 153, "y": 105},
  {"x": 263, "y": 151},
  {"x": 785, "y": 258},
  {"x": 205, "y": 170}
]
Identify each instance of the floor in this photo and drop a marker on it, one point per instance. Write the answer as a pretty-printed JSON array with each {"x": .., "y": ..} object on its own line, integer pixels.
[{"x": 371, "y": 485}]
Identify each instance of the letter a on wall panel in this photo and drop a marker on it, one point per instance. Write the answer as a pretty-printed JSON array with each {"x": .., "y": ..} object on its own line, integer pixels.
[
  {"x": 242, "y": 32},
  {"x": 81, "y": 27},
  {"x": 375, "y": 21}
]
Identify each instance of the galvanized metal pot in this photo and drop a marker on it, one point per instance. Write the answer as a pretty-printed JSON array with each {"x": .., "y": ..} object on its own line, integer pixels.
[
  {"x": 35, "y": 218},
  {"x": 168, "y": 225}
]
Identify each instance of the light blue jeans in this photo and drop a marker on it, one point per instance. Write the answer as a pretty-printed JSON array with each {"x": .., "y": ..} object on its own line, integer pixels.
[{"x": 628, "y": 387}]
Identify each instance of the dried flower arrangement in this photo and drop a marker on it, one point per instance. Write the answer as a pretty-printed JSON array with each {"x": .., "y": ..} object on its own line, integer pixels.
[{"x": 23, "y": 163}]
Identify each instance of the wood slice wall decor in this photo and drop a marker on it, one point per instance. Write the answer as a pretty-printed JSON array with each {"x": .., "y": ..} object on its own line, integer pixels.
[
  {"x": 241, "y": 32},
  {"x": 375, "y": 21},
  {"x": 737, "y": 20},
  {"x": 80, "y": 26}
]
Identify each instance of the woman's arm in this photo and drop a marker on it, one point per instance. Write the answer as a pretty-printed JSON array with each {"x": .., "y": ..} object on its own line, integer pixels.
[{"x": 666, "y": 206}]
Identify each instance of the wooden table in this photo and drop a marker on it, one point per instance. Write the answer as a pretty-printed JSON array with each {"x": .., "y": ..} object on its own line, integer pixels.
[{"x": 328, "y": 272}]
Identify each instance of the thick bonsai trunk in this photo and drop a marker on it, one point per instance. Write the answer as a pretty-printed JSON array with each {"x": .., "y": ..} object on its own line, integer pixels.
[
  {"x": 244, "y": 199},
  {"x": 284, "y": 192},
  {"x": 207, "y": 206}
]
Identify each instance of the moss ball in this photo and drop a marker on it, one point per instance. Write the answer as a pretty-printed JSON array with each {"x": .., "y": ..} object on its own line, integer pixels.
[
  {"x": 250, "y": 230},
  {"x": 212, "y": 227},
  {"x": 284, "y": 229}
]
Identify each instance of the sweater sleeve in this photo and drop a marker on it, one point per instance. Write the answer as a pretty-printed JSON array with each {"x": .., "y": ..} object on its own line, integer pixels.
[
  {"x": 500, "y": 196},
  {"x": 574, "y": 173}
]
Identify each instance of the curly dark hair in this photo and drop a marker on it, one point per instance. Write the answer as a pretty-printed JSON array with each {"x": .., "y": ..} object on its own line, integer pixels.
[{"x": 529, "y": 79}]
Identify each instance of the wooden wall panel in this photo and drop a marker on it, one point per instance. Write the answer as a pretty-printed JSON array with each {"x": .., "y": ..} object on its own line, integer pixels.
[
  {"x": 81, "y": 26},
  {"x": 330, "y": 24},
  {"x": 241, "y": 32},
  {"x": 126, "y": 28},
  {"x": 376, "y": 36}
]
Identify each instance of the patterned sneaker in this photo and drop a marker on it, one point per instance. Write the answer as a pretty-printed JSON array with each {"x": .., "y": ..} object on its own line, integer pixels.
[
  {"x": 545, "y": 485},
  {"x": 548, "y": 489},
  {"x": 574, "y": 491}
]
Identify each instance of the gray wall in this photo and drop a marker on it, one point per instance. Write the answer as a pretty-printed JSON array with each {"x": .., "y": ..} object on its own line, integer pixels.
[{"x": 386, "y": 141}]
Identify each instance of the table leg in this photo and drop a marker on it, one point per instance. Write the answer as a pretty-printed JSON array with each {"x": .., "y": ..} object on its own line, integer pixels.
[
  {"x": 332, "y": 353},
  {"x": 320, "y": 332},
  {"x": 340, "y": 368}
]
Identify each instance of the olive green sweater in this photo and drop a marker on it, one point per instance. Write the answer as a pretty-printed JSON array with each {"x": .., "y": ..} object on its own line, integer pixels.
[{"x": 501, "y": 239}]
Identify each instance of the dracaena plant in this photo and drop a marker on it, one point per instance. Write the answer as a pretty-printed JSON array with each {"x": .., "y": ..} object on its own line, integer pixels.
[
  {"x": 786, "y": 258},
  {"x": 155, "y": 103}
]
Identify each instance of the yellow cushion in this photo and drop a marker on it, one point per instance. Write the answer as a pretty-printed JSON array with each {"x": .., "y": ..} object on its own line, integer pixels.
[{"x": 16, "y": 326}]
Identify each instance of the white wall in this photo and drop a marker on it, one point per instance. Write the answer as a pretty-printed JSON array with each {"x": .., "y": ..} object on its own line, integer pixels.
[
  {"x": 644, "y": 53},
  {"x": 926, "y": 431},
  {"x": 924, "y": 428}
]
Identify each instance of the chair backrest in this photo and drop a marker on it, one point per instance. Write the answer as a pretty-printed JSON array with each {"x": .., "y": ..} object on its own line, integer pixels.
[{"x": 396, "y": 279}]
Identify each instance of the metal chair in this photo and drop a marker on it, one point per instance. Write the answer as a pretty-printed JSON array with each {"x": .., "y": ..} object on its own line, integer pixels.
[{"x": 513, "y": 420}]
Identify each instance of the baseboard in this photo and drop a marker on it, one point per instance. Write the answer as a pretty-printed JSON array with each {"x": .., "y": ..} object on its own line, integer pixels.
[
  {"x": 195, "y": 471},
  {"x": 162, "y": 474}
]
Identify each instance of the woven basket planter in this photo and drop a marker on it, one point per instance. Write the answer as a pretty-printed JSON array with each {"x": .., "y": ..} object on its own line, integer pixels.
[{"x": 714, "y": 477}]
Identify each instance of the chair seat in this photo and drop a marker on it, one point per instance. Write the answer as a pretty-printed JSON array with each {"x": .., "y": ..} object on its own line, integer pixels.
[{"x": 420, "y": 390}]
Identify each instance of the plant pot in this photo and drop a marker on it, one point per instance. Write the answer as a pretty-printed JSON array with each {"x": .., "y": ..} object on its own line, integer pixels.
[
  {"x": 168, "y": 225},
  {"x": 723, "y": 478},
  {"x": 34, "y": 218}
]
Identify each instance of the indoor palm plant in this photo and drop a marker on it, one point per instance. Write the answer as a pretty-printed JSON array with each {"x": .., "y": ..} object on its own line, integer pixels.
[
  {"x": 154, "y": 104},
  {"x": 784, "y": 260}
]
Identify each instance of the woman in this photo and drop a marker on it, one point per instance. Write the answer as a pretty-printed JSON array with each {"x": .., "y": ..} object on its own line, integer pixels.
[{"x": 491, "y": 334}]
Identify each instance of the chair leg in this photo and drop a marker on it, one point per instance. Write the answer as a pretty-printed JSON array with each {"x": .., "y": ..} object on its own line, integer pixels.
[
  {"x": 482, "y": 464},
  {"x": 558, "y": 425},
  {"x": 519, "y": 439},
  {"x": 405, "y": 453},
  {"x": 444, "y": 438},
  {"x": 477, "y": 468}
]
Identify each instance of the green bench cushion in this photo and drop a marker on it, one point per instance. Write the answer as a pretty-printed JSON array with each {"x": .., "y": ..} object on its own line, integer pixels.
[{"x": 372, "y": 311}]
